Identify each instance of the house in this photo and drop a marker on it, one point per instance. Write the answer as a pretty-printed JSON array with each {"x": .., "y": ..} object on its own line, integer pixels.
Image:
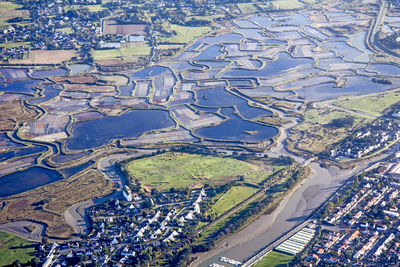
[
  {"x": 136, "y": 39},
  {"x": 126, "y": 192},
  {"x": 395, "y": 171}
]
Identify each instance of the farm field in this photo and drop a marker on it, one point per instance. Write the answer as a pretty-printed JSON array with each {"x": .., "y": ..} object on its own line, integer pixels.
[
  {"x": 10, "y": 10},
  {"x": 111, "y": 27},
  {"x": 231, "y": 198},
  {"x": 287, "y": 4},
  {"x": 247, "y": 8},
  {"x": 46, "y": 57},
  {"x": 13, "y": 247},
  {"x": 185, "y": 34},
  {"x": 275, "y": 258},
  {"x": 122, "y": 53},
  {"x": 182, "y": 170},
  {"x": 373, "y": 105}
]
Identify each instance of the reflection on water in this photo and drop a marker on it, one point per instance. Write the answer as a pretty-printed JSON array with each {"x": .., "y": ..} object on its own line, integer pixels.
[
  {"x": 22, "y": 181},
  {"x": 90, "y": 134}
]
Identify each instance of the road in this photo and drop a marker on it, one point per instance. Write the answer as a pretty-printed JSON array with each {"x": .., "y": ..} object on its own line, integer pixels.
[
  {"x": 76, "y": 215},
  {"x": 370, "y": 41},
  {"x": 20, "y": 228},
  {"x": 292, "y": 211}
]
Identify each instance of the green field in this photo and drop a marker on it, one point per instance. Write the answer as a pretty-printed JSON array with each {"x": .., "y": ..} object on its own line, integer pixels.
[
  {"x": 373, "y": 105},
  {"x": 66, "y": 30},
  {"x": 231, "y": 198},
  {"x": 287, "y": 4},
  {"x": 275, "y": 258},
  {"x": 121, "y": 53},
  {"x": 181, "y": 170},
  {"x": 15, "y": 44},
  {"x": 13, "y": 247},
  {"x": 247, "y": 8},
  {"x": 9, "y": 10},
  {"x": 185, "y": 34},
  {"x": 91, "y": 8}
]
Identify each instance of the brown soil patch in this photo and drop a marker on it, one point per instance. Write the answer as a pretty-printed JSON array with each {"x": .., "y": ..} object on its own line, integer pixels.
[
  {"x": 89, "y": 88},
  {"x": 46, "y": 57},
  {"x": 111, "y": 27},
  {"x": 76, "y": 79}
]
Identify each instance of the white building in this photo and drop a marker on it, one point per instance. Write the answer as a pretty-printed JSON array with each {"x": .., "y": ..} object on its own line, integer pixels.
[{"x": 126, "y": 192}]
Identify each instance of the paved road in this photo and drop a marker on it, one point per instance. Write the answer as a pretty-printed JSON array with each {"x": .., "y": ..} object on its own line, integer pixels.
[
  {"x": 76, "y": 215},
  {"x": 20, "y": 228}
]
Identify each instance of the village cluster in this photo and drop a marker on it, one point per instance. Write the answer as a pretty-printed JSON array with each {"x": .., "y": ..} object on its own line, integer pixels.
[
  {"x": 371, "y": 138},
  {"x": 128, "y": 230},
  {"x": 363, "y": 223}
]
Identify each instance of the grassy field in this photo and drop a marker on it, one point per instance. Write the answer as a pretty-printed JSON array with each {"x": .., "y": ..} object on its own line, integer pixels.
[
  {"x": 91, "y": 8},
  {"x": 185, "y": 34},
  {"x": 13, "y": 247},
  {"x": 9, "y": 10},
  {"x": 60, "y": 196},
  {"x": 318, "y": 134},
  {"x": 66, "y": 30},
  {"x": 121, "y": 53},
  {"x": 46, "y": 57},
  {"x": 287, "y": 4},
  {"x": 181, "y": 170},
  {"x": 373, "y": 105},
  {"x": 275, "y": 258},
  {"x": 170, "y": 46},
  {"x": 231, "y": 198},
  {"x": 247, "y": 8},
  {"x": 15, "y": 44}
]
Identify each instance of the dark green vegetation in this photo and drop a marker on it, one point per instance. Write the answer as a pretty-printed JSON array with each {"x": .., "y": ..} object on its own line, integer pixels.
[
  {"x": 275, "y": 258},
  {"x": 13, "y": 248}
]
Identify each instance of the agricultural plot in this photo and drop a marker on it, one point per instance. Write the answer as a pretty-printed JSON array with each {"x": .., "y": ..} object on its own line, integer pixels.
[
  {"x": 111, "y": 27},
  {"x": 373, "y": 105},
  {"x": 10, "y": 10},
  {"x": 13, "y": 247},
  {"x": 230, "y": 199},
  {"x": 275, "y": 258},
  {"x": 181, "y": 170},
  {"x": 45, "y": 57}
]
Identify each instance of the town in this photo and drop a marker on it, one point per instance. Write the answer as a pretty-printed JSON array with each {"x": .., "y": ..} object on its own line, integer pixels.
[
  {"x": 81, "y": 26},
  {"x": 131, "y": 229},
  {"x": 371, "y": 138}
]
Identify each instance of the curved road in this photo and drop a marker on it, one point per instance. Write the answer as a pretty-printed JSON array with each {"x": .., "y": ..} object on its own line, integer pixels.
[{"x": 76, "y": 215}]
